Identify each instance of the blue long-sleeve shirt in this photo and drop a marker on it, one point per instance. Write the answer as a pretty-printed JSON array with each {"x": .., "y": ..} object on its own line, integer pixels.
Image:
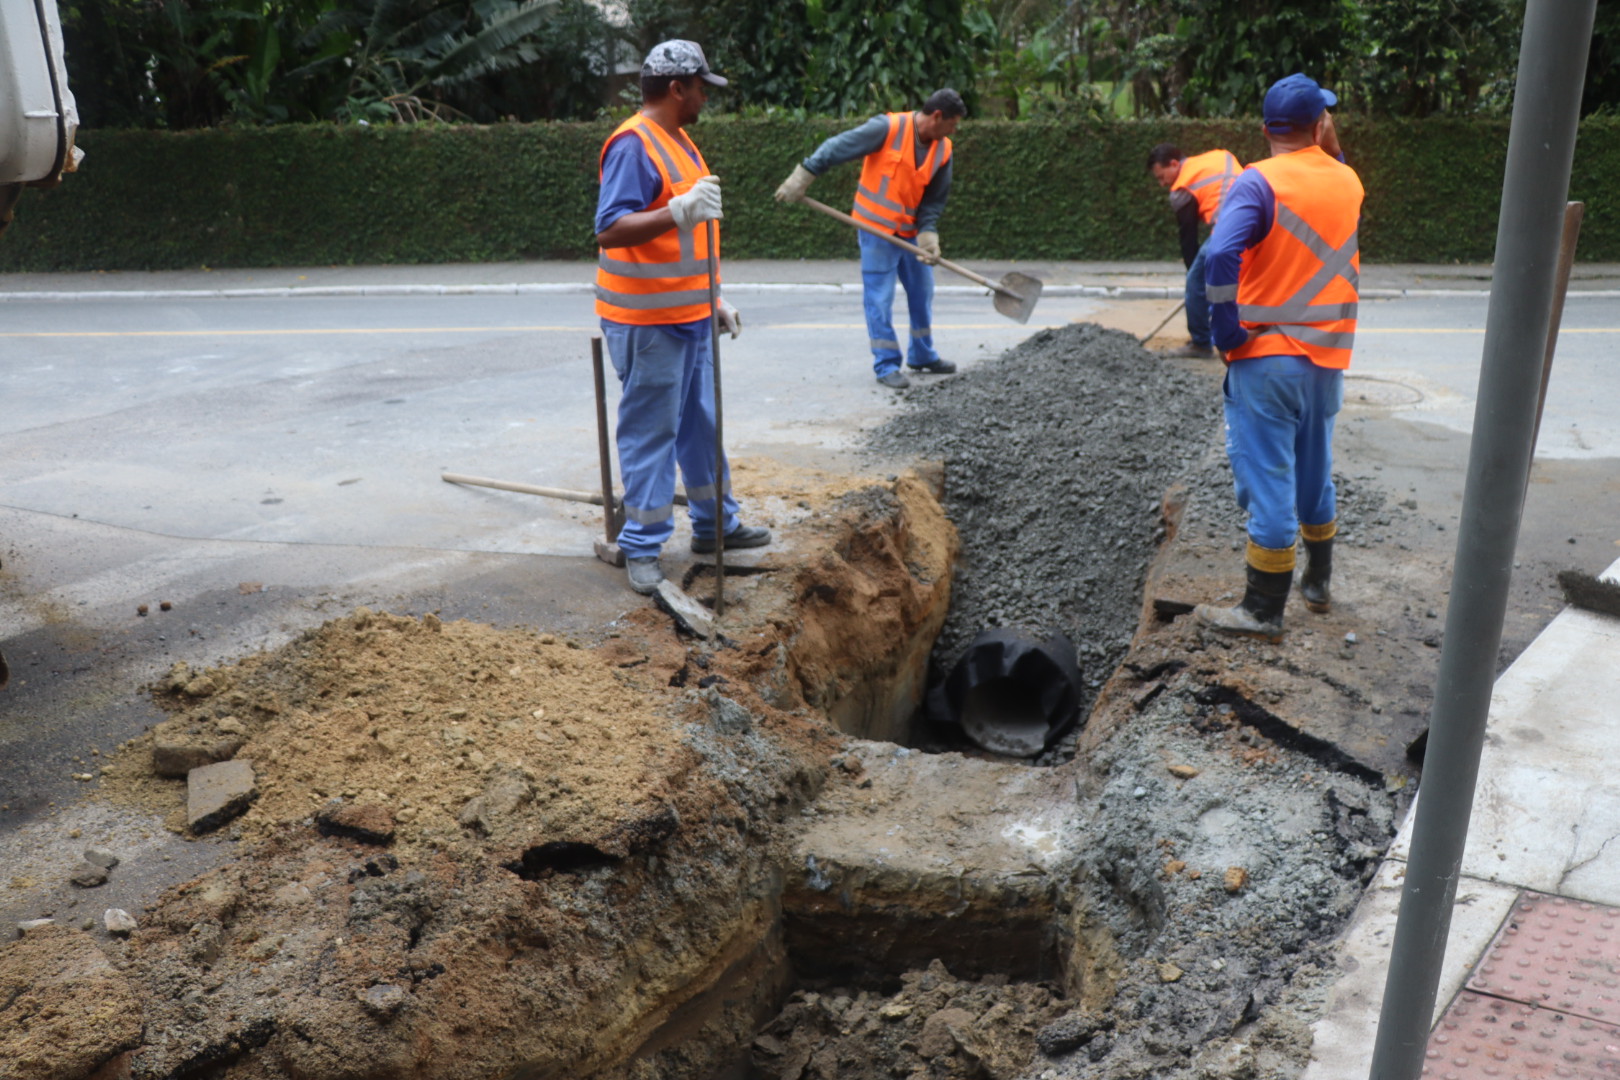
[
  {"x": 868, "y": 139},
  {"x": 1247, "y": 214}
]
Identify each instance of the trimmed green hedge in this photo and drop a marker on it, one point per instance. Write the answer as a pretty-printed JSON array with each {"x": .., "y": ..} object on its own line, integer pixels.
[{"x": 318, "y": 195}]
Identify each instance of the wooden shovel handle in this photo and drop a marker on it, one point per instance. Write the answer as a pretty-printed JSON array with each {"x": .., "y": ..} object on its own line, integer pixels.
[{"x": 903, "y": 246}]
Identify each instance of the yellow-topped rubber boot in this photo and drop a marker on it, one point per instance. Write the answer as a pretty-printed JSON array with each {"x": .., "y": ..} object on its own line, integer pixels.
[{"x": 1260, "y": 612}]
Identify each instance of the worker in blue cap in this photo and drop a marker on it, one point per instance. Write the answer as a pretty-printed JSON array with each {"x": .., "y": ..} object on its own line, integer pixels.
[{"x": 1281, "y": 274}]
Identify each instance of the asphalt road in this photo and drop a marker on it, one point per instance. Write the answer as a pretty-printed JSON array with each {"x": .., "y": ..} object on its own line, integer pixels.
[{"x": 265, "y": 464}]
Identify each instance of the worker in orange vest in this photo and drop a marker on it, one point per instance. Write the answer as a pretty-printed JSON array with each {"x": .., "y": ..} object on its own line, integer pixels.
[
  {"x": 652, "y": 295},
  {"x": 1197, "y": 185},
  {"x": 905, "y": 179},
  {"x": 1281, "y": 276}
]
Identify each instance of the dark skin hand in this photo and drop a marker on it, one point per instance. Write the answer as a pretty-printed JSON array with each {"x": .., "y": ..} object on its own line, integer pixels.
[{"x": 672, "y": 112}]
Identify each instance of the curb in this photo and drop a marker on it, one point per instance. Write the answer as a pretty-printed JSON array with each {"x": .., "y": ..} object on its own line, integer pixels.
[{"x": 569, "y": 288}]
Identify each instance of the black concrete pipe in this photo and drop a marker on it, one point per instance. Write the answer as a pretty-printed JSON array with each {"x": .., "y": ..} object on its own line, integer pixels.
[{"x": 1010, "y": 692}]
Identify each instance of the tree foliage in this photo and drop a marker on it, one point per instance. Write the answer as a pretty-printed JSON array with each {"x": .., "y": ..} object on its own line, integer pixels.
[{"x": 198, "y": 63}]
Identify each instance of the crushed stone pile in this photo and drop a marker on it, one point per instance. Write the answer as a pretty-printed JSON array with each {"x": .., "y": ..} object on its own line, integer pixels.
[{"x": 1057, "y": 459}]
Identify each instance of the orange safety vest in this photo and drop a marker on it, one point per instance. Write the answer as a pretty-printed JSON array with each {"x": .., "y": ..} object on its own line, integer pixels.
[
  {"x": 1207, "y": 177},
  {"x": 892, "y": 182},
  {"x": 1297, "y": 286},
  {"x": 666, "y": 279}
]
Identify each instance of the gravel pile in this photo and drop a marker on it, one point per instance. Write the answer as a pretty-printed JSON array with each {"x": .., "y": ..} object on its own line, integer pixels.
[{"x": 1057, "y": 457}]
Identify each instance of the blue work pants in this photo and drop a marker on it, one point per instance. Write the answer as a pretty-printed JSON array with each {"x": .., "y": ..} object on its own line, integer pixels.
[
  {"x": 1197, "y": 302},
  {"x": 666, "y": 416},
  {"x": 881, "y": 264},
  {"x": 1280, "y": 413}
]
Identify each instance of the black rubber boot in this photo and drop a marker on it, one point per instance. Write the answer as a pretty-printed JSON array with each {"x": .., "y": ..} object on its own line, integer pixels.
[
  {"x": 1259, "y": 613},
  {"x": 1314, "y": 579}
]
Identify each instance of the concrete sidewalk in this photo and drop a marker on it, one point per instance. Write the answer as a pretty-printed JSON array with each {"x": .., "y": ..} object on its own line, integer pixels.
[
  {"x": 1545, "y": 811},
  {"x": 1118, "y": 280}
]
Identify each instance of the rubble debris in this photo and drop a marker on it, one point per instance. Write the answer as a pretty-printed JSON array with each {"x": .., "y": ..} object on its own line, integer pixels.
[
  {"x": 384, "y": 1000},
  {"x": 1234, "y": 879},
  {"x": 88, "y": 875},
  {"x": 100, "y": 857},
  {"x": 176, "y": 758},
  {"x": 936, "y": 1026},
  {"x": 1183, "y": 772},
  {"x": 217, "y": 793},
  {"x": 367, "y": 823},
  {"x": 1068, "y": 1033},
  {"x": 118, "y": 921},
  {"x": 33, "y": 924}
]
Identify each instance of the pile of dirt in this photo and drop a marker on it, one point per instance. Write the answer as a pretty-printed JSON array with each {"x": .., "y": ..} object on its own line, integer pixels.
[
  {"x": 477, "y": 851},
  {"x": 439, "y": 728}
]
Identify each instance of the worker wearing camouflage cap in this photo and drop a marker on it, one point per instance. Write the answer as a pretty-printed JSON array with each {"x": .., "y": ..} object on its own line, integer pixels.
[
  {"x": 652, "y": 295},
  {"x": 1282, "y": 268}
]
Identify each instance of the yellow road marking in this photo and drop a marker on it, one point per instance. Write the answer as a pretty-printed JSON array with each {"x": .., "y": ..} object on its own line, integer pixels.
[
  {"x": 271, "y": 333},
  {"x": 591, "y": 329},
  {"x": 436, "y": 330}
]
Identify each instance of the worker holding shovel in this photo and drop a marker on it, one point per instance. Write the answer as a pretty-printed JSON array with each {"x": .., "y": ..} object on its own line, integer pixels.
[
  {"x": 1197, "y": 186},
  {"x": 905, "y": 179},
  {"x": 654, "y": 225}
]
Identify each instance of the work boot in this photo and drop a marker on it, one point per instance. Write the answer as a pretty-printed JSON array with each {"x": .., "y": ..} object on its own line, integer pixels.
[
  {"x": 1259, "y": 613},
  {"x": 894, "y": 380},
  {"x": 938, "y": 367},
  {"x": 743, "y": 536},
  {"x": 644, "y": 574},
  {"x": 1313, "y": 580},
  {"x": 1190, "y": 351}
]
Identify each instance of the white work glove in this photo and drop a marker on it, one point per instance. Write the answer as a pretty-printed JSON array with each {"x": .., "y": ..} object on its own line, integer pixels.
[
  {"x": 728, "y": 317},
  {"x": 797, "y": 183},
  {"x": 929, "y": 242},
  {"x": 700, "y": 203}
]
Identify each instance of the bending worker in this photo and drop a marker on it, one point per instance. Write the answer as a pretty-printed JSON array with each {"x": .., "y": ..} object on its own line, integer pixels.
[
  {"x": 1282, "y": 268},
  {"x": 1197, "y": 187},
  {"x": 652, "y": 294},
  {"x": 904, "y": 183}
]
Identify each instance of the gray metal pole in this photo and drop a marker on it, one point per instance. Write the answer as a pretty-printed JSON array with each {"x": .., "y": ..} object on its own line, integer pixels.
[{"x": 1541, "y": 148}]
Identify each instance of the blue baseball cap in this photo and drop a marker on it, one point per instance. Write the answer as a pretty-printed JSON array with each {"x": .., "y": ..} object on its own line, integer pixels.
[{"x": 1294, "y": 103}]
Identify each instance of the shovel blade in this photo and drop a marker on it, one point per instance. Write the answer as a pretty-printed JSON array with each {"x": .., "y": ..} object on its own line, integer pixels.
[{"x": 1020, "y": 306}]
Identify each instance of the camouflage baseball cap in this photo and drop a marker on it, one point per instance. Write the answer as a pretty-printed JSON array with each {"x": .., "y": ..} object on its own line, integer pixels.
[{"x": 680, "y": 58}]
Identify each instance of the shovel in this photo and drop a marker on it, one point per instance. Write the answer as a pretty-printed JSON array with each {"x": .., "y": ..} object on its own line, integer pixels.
[
  {"x": 1154, "y": 332},
  {"x": 1015, "y": 294}
]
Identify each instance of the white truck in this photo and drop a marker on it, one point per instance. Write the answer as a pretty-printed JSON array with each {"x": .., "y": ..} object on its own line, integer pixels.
[{"x": 38, "y": 120}]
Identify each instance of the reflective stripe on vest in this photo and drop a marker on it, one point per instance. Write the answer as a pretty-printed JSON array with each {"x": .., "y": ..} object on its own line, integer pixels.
[
  {"x": 1208, "y": 177},
  {"x": 1298, "y": 287},
  {"x": 666, "y": 279},
  {"x": 892, "y": 183}
]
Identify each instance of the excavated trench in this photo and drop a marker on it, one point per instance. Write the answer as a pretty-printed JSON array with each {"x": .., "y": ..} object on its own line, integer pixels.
[
  {"x": 753, "y": 859},
  {"x": 956, "y": 913}
]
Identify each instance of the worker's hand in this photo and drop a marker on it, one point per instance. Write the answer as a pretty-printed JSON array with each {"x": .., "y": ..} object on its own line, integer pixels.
[
  {"x": 700, "y": 203},
  {"x": 797, "y": 183},
  {"x": 929, "y": 242},
  {"x": 1327, "y": 135},
  {"x": 728, "y": 317}
]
